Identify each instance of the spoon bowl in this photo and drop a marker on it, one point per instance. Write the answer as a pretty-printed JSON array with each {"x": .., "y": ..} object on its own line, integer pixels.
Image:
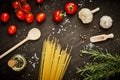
[{"x": 34, "y": 34}]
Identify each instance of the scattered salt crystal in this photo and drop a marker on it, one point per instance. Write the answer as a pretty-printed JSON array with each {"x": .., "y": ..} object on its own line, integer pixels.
[
  {"x": 83, "y": 41},
  {"x": 80, "y": 4},
  {"x": 28, "y": 74},
  {"x": 75, "y": 26},
  {"x": 97, "y": 46},
  {"x": 33, "y": 65},
  {"x": 35, "y": 56},
  {"x": 87, "y": 63},
  {"x": 53, "y": 32},
  {"x": 59, "y": 31},
  {"x": 84, "y": 62},
  {"x": 70, "y": 25},
  {"x": 91, "y": 45},
  {"x": 53, "y": 29},
  {"x": 64, "y": 30},
  {"x": 30, "y": 62},
  {"x": 61, "y": 26},
  {"x": 71, "y": 32},
  {"x": 66, "y": 21},
  {"x": 90, "y": 0},
  {"x": 16, "y": 36}
]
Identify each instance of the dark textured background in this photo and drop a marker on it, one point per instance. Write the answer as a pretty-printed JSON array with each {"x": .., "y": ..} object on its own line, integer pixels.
[{"x": 74, "y": 28}]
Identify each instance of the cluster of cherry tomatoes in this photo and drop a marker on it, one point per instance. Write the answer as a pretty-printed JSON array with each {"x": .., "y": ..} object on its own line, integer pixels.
[
  {"x": 23, "y": 12},
  {"x": 70, "y": 8}
]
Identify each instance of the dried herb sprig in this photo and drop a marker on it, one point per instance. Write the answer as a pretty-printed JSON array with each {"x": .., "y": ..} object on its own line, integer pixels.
[{"x": 106, "y": 65}]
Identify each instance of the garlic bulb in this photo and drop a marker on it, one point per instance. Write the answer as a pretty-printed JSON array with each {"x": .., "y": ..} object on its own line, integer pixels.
[
  {"x": 86, "y": 15},
  {"x": 106, "y": 22}
]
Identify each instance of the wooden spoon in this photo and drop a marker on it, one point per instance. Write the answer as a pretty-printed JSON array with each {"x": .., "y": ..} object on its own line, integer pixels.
[{"x": 33, "y": 34}]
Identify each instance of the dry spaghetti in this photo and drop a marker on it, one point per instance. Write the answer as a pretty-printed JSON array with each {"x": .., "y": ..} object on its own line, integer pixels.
[{"x": 54, "y": 61}]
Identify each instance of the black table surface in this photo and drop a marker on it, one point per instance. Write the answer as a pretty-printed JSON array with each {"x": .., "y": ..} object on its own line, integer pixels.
[{"x": 68, "y": 32}]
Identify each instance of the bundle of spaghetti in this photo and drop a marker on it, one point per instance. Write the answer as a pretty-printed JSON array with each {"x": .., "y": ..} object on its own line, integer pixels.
[{"x": 54, "y": 60}]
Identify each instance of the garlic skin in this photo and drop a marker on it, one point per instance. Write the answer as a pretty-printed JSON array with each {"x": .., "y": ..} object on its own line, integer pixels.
[
  {"x": 106, "y": 22},
  {"x": 85, "y": 15}
]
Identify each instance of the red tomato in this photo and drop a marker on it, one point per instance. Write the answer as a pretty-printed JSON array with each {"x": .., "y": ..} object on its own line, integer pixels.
[
  {"x": 5, "y": 17},
  {"x": 58, "y": 16},
  {"x": 39, "y": 1},
  {"x": 71, "y": 8},
  {"x": 16, "y": 4},
  {"x": 40, "y": 17},
  {"x": 29, "y": 18},
  {"x": 22, "y": 1},
  {"x": 26, "y": 8},
  {"x": 12, "y": 29},
  {"x": 20, "y": 15}
]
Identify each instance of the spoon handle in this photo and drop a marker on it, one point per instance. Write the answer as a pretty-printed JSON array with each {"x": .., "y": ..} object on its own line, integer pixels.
[{"x": 13, "y": 48}]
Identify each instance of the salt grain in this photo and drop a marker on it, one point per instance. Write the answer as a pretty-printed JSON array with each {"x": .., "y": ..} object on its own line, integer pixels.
[
  {"x": 75, "y": 26},
  {"x": 89, "y": 46},
  {"x": 53, "y": 29},
  {"x": 53, "y": 32},
  {"x": 90, "y": 0},
  {"x": 70, "y": 25},
  {"x": 64, "y": 30},
  {"x": 80, "y": 5},
  {"x": 59, "y": 31},
  {"x": 28, "y": 74},
  {"x": 33, "y": 65},
  {"x": 61, "y": 26},
  {"x": 66, "y": 21}
]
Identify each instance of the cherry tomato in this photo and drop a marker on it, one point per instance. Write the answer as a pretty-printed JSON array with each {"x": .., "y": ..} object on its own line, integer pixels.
[
  {"x": 29, "y": 18},
  {"x": 39, "y": 1},
  {"x": 5, "y": 17},
  {"x": 40, "y": 17},
  {"x": 71, "y": 8},
  {"x": 23, "y": 1},
  {"x": 26, "y": 8},
  {"x": 16, "y": 4},
  {"x": 20, "y": 15},
  {"x": 58, "y": 16},
  {"x": 12, "y": 29}
]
